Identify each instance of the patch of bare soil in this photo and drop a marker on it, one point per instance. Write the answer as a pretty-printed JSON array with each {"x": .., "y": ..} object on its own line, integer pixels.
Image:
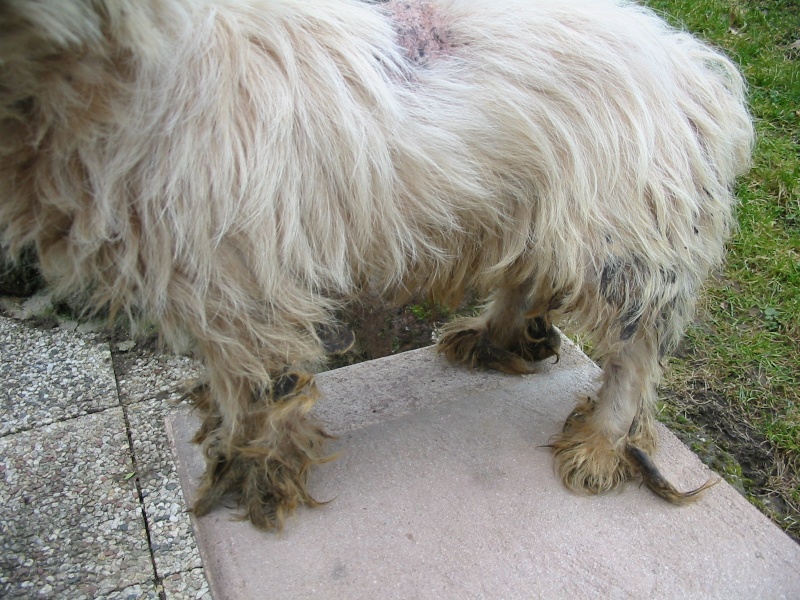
[
  {"x": 724, "y": 441},
  {"x": 382, "y": 329}
]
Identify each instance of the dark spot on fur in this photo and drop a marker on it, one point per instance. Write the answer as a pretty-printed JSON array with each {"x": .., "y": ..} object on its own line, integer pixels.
[
  {"x": 620, "y": 280},
  {"x": 628, "y": 329},
  {"x": 24, "y": 107},
  {"x": 615, "y": 280},
  {"x": 608, "y": 278},
  {"x": 284, "y": 385},
  {"x": 668, "y": 276}
]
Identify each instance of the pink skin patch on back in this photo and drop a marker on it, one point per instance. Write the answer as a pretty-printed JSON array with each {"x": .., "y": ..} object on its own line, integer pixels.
[{"x": 421, "y": 31}]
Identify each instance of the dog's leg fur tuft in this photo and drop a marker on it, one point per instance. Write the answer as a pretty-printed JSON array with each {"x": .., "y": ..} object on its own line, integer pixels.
[
  {"x": 650, "y": 474},
  {"x": 508, "y": 336},
  {"x": 263, "y": 464},
  {"x": 657, "y": 483}
]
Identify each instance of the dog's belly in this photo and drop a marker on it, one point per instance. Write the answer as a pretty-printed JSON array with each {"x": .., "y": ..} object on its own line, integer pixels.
[{"x": 422, "y": 31}]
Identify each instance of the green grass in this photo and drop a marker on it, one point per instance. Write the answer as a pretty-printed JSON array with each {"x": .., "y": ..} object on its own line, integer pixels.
[{"x": 743, "y": 353}]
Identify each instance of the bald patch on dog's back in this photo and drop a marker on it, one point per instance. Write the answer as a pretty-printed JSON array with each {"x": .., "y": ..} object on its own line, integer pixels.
[{"x": 422, "y": 31}]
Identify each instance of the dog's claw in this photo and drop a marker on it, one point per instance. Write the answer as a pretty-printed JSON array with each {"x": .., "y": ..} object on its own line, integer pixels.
[{"x": 657, "y": 483}]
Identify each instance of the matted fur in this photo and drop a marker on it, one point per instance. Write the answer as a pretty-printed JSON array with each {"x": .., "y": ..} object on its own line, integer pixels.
[{"x": 237, "y": 169}]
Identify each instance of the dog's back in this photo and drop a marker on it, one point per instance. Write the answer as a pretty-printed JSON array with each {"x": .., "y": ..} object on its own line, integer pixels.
[{"x": 302, "y": 131}]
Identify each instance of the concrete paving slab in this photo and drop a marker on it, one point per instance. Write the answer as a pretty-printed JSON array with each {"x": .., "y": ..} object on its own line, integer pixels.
[
  {"x": 444, "y": 491},
  {"x": 187, "y": 585},
  {"x": 133, "y": 592},
  {"x": 143, "y": 374},
  {"x": 51, "y": 375},
  {"x": 72, "y": 524},
  {"x": 171, "y": 539}
]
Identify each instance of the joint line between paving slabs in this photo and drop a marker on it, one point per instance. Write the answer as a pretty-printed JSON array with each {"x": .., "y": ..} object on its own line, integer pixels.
[{"x": 157, "y": 580}]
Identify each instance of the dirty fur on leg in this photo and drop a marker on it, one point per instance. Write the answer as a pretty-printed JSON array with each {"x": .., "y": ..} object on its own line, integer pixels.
[
  {"x": 595, "y": 452},
  {"x": 511, "y": 334},
  {"x": 626, "y": 460},
  {"x": 263, "y": 465}
]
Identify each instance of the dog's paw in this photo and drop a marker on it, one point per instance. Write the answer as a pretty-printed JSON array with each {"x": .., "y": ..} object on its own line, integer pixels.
[
  {"x": 538, "y": 341},
  {"x": 588, "y": 461},
  {"x": 266, "y": 486},
  {"x": 590, "y": 465},
  {"x": 265, "y": 479},
  {"x": 262, "y": 466},
  {"x": 466, "y": 341}
]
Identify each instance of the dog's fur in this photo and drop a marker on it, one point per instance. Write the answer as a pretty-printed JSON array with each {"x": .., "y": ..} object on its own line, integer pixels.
[{"x": 239, "y": 169}]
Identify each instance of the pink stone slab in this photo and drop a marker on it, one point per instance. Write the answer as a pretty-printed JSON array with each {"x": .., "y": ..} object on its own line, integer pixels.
[{"x": 444, "y": 491}]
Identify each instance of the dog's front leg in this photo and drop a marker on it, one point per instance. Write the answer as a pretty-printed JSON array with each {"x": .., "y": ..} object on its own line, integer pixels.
[
  {"x": 260, "y": 350},
  {"x": 512, "y": 332},
  {"x": 259, "y": 445}
]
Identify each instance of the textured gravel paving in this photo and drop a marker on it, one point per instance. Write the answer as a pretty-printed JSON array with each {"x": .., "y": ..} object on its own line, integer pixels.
[
  {"x": 144, "y": 375},
  {"x": 71, "y": 519},
  {"x": 84, "y": 464},
  {"x": 51, "y": 375},
  {"x": 133, "y": 592},
  {"x": 187, "y": 585},
  {"x": 171, "y": 538}
]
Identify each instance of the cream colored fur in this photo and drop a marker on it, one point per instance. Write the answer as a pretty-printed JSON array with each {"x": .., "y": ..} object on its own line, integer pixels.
[{"x": 237, "y": 169}]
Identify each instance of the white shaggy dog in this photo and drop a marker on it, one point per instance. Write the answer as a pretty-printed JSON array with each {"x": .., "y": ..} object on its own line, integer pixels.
[{"x": 240, "y": 169}]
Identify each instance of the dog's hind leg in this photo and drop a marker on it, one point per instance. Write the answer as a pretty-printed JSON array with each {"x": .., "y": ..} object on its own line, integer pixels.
[
  {"x": 513, "y": 331},
  {"x": 608, "y": 441},
  {"x": 590, "y": 452}
]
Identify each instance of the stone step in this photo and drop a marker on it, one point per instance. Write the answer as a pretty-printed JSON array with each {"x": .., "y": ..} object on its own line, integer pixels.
[{"x": 443, "y": 490}]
